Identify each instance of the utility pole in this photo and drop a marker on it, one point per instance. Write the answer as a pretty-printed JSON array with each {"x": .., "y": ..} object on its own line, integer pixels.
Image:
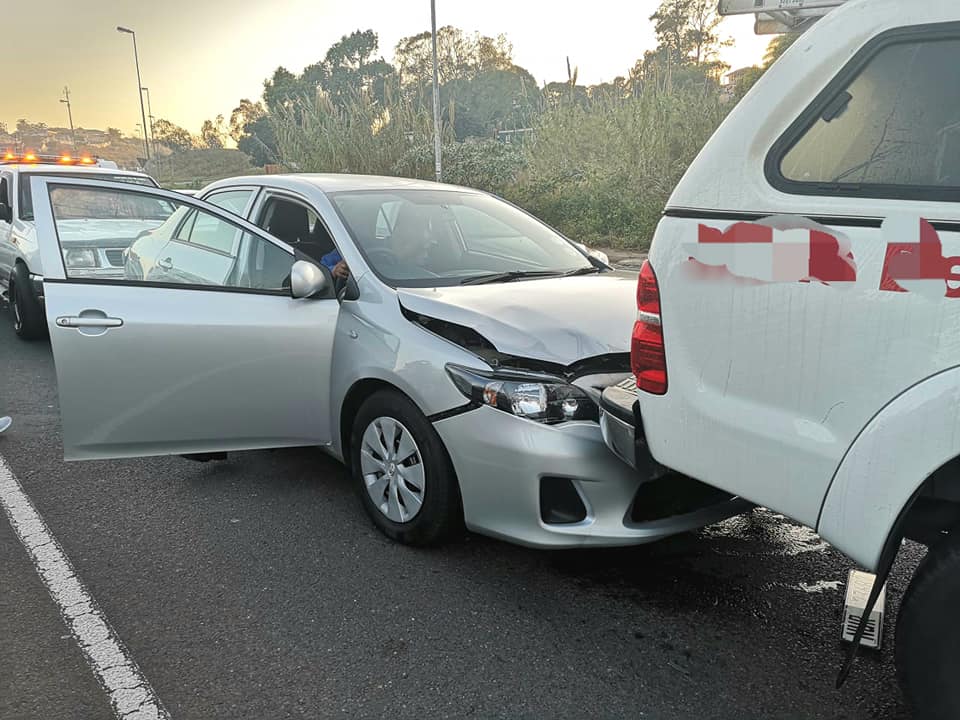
[
  {"x": 66, "y": 99},
  {"x": 136, "y": 59},
  {"x": 436, "y": 95}
]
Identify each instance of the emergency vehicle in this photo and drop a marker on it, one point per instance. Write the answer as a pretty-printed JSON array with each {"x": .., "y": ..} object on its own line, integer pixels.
[{"x": 21, "y": 274}]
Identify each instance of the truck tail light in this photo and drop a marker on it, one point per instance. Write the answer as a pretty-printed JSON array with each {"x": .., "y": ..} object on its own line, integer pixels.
[{"x": 647, "y": 356}]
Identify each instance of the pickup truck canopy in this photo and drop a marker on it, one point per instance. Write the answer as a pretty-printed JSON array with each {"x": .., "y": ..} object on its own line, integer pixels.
[{"x": 780, "y": 16}]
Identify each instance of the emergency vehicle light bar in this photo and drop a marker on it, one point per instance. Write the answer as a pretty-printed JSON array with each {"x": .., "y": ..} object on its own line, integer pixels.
[
  {"x": 780, "y": 16},
  {"x": 9, "y": 158}
]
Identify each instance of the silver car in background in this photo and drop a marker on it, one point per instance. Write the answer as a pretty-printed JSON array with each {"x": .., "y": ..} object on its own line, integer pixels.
[{"x": 449, "y": 347}]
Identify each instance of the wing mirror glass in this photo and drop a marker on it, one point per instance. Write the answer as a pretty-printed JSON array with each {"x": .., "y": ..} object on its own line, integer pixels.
[
  {"x": 6, "y": 212},
  {"x": 307, "y": 280}
]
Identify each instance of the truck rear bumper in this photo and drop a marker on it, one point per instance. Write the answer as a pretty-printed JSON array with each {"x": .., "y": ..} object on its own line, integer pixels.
[
  {"x": 664, "y": 495},
  {"x": 622, "y": 428}
]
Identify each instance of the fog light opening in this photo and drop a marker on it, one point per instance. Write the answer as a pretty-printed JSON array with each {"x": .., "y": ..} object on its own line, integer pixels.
[{"x": 560, "y": 502}]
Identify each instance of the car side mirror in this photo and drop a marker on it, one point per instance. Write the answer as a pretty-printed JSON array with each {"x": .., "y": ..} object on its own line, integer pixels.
[
  {"x": 599, "y": 255},
  {"x": 6, "y": 212},
  {"x": 595, "y": 254},
  {"x": 307, "y": 280}
]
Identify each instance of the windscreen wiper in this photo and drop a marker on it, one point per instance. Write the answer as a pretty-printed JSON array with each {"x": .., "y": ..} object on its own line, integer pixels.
[
  {"x": 509, "y": 276},
  {"x": 582, "y": 271}
]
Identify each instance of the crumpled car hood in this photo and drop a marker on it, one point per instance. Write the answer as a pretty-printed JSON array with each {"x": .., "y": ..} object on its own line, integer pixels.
[{"x": 558, "y": 320}]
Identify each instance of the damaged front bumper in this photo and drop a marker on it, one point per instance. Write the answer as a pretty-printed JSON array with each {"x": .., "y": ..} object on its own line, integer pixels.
[{"x": 557, "y": 486}]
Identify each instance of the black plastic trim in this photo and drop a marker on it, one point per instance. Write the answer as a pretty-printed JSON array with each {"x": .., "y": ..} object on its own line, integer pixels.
[
  {"x": 806, "y": 120},
  {"x": 623, "y": 411},
  {"x": 453, "y": 412}
]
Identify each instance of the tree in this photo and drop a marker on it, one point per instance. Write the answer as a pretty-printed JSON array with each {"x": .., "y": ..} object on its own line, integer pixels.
[
  {"x": 687, "y": 31},
  {"x": 212, "y": 133},
  {"x": 173, "y": 136},
  {"x": 777, "y": 47},
  {"x": 242, "y": 115},
  {"x": 492, "y": 100},
  {"x": 114, "y": 134},
  {"x": 3, "y": 128},
  {"x": 25, "y": 127},
  {"x": 283, "y": 89},
  {"x": 350, "y": 66},
  {"x": 259, "y": 141},
  {"x": 459, "y": 55}
]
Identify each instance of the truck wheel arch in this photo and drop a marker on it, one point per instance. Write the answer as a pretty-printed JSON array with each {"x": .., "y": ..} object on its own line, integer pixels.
[{"x": 905, "y": 459}]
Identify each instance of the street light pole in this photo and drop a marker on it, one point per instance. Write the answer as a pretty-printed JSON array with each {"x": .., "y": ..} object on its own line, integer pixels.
[
  {"x": 153, "y": 138},
  {"x": 143, "y": 112},
  {"x": 66, "y": 99},
  {"x": 436, "y": 95}
]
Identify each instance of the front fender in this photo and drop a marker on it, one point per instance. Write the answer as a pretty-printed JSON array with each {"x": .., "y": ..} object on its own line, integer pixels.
[
  {"x": 906, "y": 442},
  {"x": 374, "y": 341},
  {"x": 25, "y": 249}
]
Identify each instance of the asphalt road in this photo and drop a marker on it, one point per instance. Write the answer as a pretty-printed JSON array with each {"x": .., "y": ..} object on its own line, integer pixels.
[{"x": 257, "y": 588}]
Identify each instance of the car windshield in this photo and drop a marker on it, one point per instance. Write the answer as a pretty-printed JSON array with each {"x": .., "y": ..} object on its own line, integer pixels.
[
  {"x": 428, "y": 238},
  {"x": 160, "y": 211}
]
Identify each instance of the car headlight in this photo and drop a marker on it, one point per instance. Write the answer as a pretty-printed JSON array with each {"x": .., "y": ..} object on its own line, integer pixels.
[
  {"x": 543, "y": 398},
  {"x": 84, "y": 258}
]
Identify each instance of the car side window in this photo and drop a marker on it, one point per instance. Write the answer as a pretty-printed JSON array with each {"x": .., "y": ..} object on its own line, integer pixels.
[
  {"x": 206, "y": 250},
  {"x": 298, "y": 225},
  {"x": 210, "y": 232},
  {"x": 233, "y": 200},
  {"x": 891, "y": 130}
]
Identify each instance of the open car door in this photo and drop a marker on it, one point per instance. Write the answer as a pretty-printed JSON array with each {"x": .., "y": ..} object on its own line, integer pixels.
[{"x": 184, "y": 336}]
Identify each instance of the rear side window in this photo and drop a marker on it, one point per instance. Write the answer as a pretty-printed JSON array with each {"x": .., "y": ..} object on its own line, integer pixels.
[
  {"x": 233, "y": 200},
  {"x": 889, "y": 126}
]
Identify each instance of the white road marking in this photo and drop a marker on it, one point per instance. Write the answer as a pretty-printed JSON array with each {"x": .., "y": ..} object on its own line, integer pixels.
[{"x": 130, "y": 694}]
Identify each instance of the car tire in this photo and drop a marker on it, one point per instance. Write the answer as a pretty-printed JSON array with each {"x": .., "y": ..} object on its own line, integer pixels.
[
  {"x": 387, "y": 474},
  {"x": 928, "y": 636},
  {"x": 29, "y": 319}
]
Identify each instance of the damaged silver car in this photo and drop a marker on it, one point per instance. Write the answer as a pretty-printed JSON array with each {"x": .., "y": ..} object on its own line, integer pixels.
[{"x": 446, "y": 345}]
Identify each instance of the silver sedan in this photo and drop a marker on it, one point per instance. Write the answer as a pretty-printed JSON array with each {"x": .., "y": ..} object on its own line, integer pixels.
[{"x": 446, "y": 345}]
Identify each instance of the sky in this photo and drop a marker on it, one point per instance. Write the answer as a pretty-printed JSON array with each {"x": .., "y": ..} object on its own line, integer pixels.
[{"x": 200, "y": 57}]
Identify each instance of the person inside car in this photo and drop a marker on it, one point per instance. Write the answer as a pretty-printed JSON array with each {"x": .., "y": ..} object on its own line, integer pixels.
[{"x": 336, "y": 265}]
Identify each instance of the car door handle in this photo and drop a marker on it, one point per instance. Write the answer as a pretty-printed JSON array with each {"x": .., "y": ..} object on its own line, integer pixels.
[
  {"x": 165, "y": 264},
  {"x": 76, "y": 321}
]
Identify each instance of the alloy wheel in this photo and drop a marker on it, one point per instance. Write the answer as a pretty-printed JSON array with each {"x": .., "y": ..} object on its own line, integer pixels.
[{"x": 392, "y": 468}]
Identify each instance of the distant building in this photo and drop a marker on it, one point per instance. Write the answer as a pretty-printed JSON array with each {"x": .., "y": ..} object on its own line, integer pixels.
[{"x": 735, "y": 77}]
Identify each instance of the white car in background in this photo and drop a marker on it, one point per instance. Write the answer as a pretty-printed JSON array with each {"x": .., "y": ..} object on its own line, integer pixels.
[{"x": 95, "y": 237}]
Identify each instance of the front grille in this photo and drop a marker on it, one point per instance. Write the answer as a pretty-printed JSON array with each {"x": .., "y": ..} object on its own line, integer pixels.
[{"x": 114, "y": 257}]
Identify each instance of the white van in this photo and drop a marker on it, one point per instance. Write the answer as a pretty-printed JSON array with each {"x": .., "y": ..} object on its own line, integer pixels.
[{"x": 798, "y": 332}]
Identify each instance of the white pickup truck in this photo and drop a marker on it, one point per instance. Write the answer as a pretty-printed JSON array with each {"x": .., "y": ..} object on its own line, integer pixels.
[
  {"x": 21, "y": 276},
  {"x": 798, "y": 332}
]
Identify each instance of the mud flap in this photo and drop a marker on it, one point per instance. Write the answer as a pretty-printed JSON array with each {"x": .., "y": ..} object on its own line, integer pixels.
[{"x": 887, "y": 557}]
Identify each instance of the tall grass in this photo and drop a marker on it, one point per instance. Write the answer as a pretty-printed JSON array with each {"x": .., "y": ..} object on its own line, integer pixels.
[
  {"x": 361, "y": 136},
  {"x": 600, "y": 172}
]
